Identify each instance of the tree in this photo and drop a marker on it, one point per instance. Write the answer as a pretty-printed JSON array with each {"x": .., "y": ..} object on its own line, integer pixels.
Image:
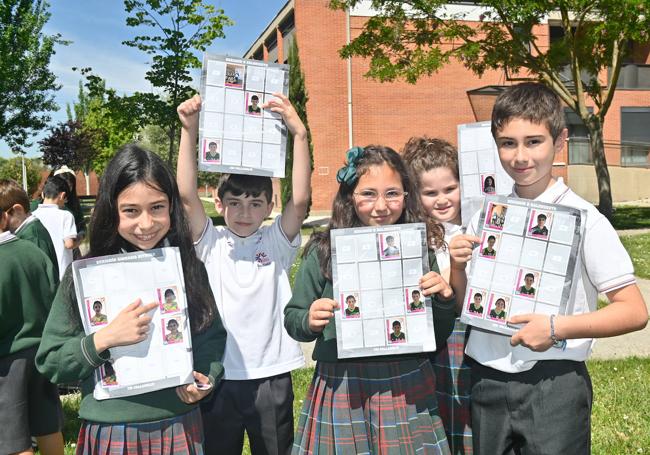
[
  {"x": 71, "y": 145},
  {"x": 179, "y": 28},
  {"x": 410, "y": 39},
  {"x": 111, "y": 120},
  {"x": 26, "y": 82},
  {"x": 12, "y": 169},
  {"x": 299, "y": 98}
]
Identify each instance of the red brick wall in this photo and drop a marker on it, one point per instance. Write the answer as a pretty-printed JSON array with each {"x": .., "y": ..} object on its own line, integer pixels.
[{"x": 390, "y": 113}]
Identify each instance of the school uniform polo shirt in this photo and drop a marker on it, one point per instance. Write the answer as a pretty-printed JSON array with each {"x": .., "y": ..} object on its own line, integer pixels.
[
  {"x": 603, "y": 266},
  {"x": 61, "y": 226},
  {"x": 250, "y": 281}
]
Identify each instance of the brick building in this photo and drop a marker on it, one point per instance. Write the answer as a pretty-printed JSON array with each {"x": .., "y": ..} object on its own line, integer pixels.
[{"x": 346, "y": 108}]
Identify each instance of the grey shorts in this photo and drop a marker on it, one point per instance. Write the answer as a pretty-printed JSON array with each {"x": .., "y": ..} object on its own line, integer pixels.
[{"x": 29, "y": 402}]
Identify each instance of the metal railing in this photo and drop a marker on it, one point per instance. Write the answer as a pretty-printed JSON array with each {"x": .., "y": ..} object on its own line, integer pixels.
[{"x": 632, "y": 154}]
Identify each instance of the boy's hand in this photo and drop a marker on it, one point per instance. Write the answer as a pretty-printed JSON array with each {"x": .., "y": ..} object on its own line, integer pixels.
[
  {"x": 191, "y": 393},
  {"x": 320, "y": 313},
  {"x": 131, "y": 326},
  {"x": 535, "y": 335},
  {"x": 188, "y": 113},
  {"x": 283, "y": 106},
  {"x": 460, "y": 250},
  {"x": 433, "y": 283}
]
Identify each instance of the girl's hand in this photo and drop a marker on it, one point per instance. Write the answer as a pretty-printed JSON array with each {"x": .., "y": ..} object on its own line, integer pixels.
[
  {"x": 535, "y": 335},
  {"x": 433, "y": 283},
  {"x": 320, "y": 313},
  {"x": 460, "y": 250},
  {"x": 188, "y": 113},
  {"x": 131, "y": 326},
  {"x": 191, "y": 393},
  {"x": 283, "y": 106}
]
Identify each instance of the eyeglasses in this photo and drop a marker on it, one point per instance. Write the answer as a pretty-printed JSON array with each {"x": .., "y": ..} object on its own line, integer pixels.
[{"x": 390, "y": 196}]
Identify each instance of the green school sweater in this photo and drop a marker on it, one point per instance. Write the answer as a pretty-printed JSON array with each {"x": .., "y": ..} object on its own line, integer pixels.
[
  {"x": 27, "y": 286},
  {"x": 311, "y": 285},
  {"x": 67, "y": 355},
  {"x": 35, "y": 232}
]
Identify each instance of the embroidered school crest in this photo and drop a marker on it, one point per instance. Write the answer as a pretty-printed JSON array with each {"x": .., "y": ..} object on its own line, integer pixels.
[{"x": 262, "y": 259}]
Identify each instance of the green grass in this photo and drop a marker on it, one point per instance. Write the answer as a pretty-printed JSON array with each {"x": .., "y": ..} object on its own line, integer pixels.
[
  {"x": 621, "y": 412},
  {"x": 638, "y": 247},
  {"x": 620, "y": 416},
  {"x": 630, "y": 217}
]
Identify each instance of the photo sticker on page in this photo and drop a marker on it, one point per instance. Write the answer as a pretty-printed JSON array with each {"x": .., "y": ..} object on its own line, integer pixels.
[
  {"x": 396, "y": 330},
  {"x": 235, "y": 75},
  {"x": 414, "y": 300},
  {"x": 476, "y": 299},
  {"x": 172, "y": 331},
  {"x": 488, "y": 184},
  {"x": 96, "y": 308},
  {"x": 253, "y": 105},
  {"x": 539, "y": 224},
  {"x": 168, "y": 299},
  {"x": 499, "y": 306},
  {"x": 489, "y": 244},
  {"x": 211, "y": 150},
  {"x": 389, "y": 245},
  {"x": 350, "y": 304},
  {"x": 527, "y": 283},
  {"x": 495, "y": 216}
]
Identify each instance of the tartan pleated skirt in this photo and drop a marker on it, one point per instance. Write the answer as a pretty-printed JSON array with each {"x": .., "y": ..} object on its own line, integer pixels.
[
  {"x": 453, "y": 386},
  {"x": 180, "y": 435},
  {"x": 371, "y": 408}
]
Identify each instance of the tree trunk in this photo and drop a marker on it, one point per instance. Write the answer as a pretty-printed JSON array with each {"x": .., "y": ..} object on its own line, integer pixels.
[
  {"x": 87, "y": 177},
  {"x": 605, "y": 204}
]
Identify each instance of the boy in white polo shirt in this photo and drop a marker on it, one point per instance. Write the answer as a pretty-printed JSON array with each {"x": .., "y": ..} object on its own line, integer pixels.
[
  {"x": 248, "y": 268},
  {"x": 531, "y": 393},
  {"x": 58, "y": 222}
]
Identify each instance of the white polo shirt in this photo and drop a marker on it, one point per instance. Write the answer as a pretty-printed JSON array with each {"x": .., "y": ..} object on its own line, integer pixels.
[
  {"x": 250, "y": 281},
  {"x": 60, "y": 224},
  {"x": 604, "y": 266}
]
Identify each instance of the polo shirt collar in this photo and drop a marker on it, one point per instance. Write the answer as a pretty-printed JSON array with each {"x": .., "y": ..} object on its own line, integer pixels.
[
  {"x": 551, "y": 195},
  {"x": 48, "y": 206},
  {"x": 27, "y": 220},
  {"x": 6, "y": 236},
  {"x": 253, "y": 239}
]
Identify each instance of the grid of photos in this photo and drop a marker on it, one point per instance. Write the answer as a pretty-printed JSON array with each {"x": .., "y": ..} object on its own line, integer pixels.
[
  {"x": 481, "y": 172},
  {"x": 235, "y": 134},
  {"x": 376, "y": 271},
  {"x": 525, "y": 262},
  {"x": 105, "y": 286}
]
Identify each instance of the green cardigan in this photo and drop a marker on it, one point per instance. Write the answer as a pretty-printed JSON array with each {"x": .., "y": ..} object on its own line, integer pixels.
[
  {"x": 35, "y": 232},
  {"x": 27, "y": 287},
  {"x": 67, "y": 355},
  {"x": 311, "y": 285}
]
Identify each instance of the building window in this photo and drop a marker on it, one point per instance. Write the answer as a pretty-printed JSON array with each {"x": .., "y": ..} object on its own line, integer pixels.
[
  {"x": 635, "y": 136},
  {"x": 579, "y": 148}
]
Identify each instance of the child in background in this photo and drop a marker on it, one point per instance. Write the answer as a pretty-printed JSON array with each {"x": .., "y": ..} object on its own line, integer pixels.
[
  {"x": 138, "y": 208},
  {"x": 434, "y": 162},
  {"x": 59, "y": 223},
  {"x": 72, "y": 203},
  {"x": 531, "y": 392},
  {"x": 347, "y": 400},
  {"x": 249, "y": 263},
  {"x": 20, "y": 222},
  {"x": 30, "y": 404}
]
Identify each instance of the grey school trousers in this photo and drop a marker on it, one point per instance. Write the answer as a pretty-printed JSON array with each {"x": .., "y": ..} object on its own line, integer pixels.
[
  {"x": 261, "y": 407},
  {"x": 546, "y": 410}
]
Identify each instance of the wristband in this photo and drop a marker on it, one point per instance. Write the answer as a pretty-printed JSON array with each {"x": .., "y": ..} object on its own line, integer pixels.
[{"x": 557, "y": 343}]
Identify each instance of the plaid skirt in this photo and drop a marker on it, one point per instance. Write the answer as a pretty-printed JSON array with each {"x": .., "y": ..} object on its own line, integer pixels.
[
  {"x": 371, "y": 408},
  {"x": 453, "y": 386},
  {"x": 177, "y": 435}
]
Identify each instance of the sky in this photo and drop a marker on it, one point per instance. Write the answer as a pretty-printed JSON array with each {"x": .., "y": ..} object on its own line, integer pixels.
[{"x": 96, "y": 29}]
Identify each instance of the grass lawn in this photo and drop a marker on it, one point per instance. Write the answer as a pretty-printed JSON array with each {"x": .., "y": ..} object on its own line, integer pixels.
[
  {"x": 638, "y": 247},
  {"x": 620, "y": 416},
  {"x": 630, "y": 217}
]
